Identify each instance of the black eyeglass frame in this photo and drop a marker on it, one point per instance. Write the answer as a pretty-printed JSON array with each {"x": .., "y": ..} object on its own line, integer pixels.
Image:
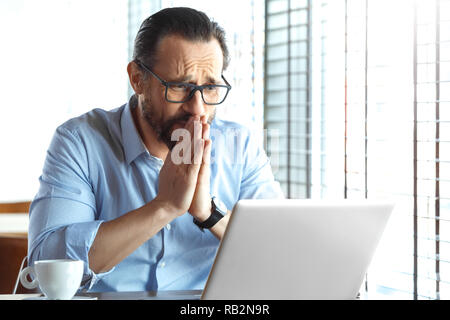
[{"x": 193, "y": 87}]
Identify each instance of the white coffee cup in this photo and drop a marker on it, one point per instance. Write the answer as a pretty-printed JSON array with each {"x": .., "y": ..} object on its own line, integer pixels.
[{"x": 57, "y": 279}]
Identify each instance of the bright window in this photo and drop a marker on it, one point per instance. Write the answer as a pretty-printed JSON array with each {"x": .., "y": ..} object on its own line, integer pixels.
[
  {"x": 378, "y": 128},
  {"x": 59, "y": 59}
]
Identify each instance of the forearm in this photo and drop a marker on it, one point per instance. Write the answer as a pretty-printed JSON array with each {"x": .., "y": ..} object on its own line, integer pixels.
[{"x": 118, "y": 238}]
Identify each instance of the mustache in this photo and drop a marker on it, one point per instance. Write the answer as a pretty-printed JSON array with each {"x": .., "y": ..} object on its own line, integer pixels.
[
  {"x": 163, "y": 129},
  {"x": 169, "y": 123},
  {"x": 183, "y": 118},
  {"x": 165, "y": 134},
  {"x": 166, "y": 129}
]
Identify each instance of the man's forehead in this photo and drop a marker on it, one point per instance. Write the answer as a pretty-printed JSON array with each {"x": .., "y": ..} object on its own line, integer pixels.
[
  {"x": 178, "y": 55},
  {"x": 176, "y": 41}
]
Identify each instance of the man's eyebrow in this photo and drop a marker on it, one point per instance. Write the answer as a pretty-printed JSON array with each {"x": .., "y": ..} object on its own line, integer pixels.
[
  {"x": 213, "y": 80},
  {"x": 189, "y": 78}
]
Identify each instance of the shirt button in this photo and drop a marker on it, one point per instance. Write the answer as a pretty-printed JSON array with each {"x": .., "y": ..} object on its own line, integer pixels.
[
  {"x": 163, "y": 264},
  {"x": 168, "y": 226}
]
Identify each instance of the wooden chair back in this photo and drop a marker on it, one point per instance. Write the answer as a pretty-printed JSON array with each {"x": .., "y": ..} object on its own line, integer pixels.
[
  {"x": 15, "y": 207},
  {"x": 13, "y": 248}
]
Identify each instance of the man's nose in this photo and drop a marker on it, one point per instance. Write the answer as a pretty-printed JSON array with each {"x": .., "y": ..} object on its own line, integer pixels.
[{"x": 195, "y": 106}]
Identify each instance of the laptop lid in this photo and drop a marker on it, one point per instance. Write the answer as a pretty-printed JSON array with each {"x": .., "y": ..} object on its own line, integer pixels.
[{"x": 296, "y": 249}]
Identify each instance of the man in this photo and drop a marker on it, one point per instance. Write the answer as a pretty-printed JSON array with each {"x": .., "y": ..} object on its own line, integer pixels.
[{"x": 141, "y": 193}]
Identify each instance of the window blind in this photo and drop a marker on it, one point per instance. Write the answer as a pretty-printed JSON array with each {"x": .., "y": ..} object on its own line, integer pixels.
[
  {"x": 384, "y": 119},
  {"x": 420, "y": 271},
  {"x": 287, "y": 94},
  {"x": 431, "y": 149}
]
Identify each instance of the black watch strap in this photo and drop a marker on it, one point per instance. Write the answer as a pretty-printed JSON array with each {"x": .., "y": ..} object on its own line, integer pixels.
[{"x": 215, "y": 217}]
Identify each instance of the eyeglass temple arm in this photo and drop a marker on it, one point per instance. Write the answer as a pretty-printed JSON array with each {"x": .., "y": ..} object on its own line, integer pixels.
[
  {"x": 148, "y": 69},
  {"x": 226, "y": 82}
]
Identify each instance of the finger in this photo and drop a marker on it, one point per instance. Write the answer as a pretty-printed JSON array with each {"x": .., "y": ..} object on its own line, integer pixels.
[
  {"x": 204, "y": 172},
  {"x": 207, "y": 153},
  {"x": 189, "y": 125},
  {"x": 206, "y": 131},
  {"x": 198, "y": 151},
  {"x": 197, "y": 143},
  {"x": 198, "y": 129},
  {"x": 185, "y": 144}
]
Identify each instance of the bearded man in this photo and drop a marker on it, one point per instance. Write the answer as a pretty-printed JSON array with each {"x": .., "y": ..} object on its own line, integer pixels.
[{"x": 142, "y": 193}]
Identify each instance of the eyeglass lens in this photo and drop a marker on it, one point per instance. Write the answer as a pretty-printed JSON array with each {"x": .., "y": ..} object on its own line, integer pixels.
[{"x": 211, "y": 94}]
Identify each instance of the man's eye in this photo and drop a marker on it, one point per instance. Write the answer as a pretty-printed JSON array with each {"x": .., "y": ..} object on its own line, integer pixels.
[
  {"x": 180, "y": 87},
  {"x": 210, "y": 88}
]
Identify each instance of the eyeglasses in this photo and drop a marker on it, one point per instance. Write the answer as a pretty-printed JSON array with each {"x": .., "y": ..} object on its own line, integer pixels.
[{"x": 180, "y": 92}]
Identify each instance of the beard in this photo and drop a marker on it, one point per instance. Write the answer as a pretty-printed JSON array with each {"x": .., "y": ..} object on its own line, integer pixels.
[{"x": 163, "y": 128}]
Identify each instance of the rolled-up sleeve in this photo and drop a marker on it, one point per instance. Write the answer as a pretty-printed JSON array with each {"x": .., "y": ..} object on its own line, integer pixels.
[{"x": 63, "y": 222}]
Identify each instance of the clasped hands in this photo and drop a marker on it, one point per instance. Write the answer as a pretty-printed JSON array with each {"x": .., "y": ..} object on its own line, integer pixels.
[{"x": 184, "y": 179}]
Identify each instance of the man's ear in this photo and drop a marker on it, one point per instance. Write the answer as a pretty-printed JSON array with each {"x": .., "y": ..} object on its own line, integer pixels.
[{"x": 135, "y": 75}]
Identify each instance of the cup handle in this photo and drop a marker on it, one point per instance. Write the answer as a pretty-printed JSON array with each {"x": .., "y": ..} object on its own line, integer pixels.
[{"x": 23, "y": 278}]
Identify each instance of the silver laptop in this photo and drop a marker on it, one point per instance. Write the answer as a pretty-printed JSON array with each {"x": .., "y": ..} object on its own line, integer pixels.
[{"x": 296, "y": 249}]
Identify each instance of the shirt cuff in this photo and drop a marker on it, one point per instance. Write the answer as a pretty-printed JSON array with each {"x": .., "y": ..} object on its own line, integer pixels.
[{"x": 79, "y": 238}]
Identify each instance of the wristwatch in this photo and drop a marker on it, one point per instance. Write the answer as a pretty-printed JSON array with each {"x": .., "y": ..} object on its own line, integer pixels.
[{"x": 218, "y": 210}]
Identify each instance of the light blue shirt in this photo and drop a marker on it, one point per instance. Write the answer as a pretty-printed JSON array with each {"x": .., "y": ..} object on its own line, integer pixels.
[{"x": 97, "y": 169}]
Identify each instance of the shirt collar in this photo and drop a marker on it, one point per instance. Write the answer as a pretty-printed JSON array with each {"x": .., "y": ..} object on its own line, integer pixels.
[{"x": 132, "y": 141}]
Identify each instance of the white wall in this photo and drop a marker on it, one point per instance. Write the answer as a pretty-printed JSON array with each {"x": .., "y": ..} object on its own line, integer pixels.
[{"x": 58, "y": 59}]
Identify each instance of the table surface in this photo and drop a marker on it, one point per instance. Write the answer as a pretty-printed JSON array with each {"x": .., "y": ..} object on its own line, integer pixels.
[
  {"x": 15, "y": 225},
  {"x": 139, "y": 295},
  {"x": 167, "y": 295}
]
